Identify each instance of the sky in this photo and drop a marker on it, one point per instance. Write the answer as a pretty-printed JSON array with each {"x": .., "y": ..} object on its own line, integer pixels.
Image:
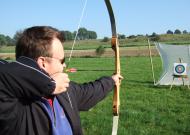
[{"x": 132, "y": 16}]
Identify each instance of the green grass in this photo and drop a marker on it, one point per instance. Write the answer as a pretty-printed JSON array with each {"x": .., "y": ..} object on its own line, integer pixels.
[
  {"x": 145, "y": 109},
  {"x": 7, "y": 49}
]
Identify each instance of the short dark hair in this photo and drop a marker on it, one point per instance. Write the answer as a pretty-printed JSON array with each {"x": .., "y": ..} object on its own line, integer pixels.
[{"x": 36, "y": 41}]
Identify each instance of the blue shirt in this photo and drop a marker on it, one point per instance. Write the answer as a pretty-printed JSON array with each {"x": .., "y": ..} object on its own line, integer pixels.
[{"x": 59, "y": 121}]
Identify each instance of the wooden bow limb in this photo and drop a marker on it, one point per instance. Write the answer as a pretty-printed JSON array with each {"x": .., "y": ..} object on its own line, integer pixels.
[{"x": 115, "y": 47}]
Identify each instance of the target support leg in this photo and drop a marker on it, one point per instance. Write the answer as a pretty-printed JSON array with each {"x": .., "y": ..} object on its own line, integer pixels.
[{"x": 172, "y": 83}]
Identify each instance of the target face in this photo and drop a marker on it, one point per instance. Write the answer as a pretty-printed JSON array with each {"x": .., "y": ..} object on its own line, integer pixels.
[{"x": 180, "y": 68}]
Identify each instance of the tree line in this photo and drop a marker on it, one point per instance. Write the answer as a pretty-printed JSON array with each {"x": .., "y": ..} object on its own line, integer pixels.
[
  {"x": 177, "y": 31},
  {"x": 6, "y": 40},
  {"x": 83, "y": 34},
  {"x": 155, "y": 37}
]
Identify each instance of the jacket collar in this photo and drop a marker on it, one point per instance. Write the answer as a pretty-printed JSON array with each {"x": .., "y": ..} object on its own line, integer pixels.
[
  {"x": 31, "y": 63},
  {"x": 28, "y": 61},
  {"x": 3, "y": 61}
]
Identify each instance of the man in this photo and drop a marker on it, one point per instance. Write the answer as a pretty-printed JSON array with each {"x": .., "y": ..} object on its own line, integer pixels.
[{"x": 36, "y": 97}]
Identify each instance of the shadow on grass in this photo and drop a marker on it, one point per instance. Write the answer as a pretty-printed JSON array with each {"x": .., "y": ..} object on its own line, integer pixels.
[{"x": 150, "y": 84}]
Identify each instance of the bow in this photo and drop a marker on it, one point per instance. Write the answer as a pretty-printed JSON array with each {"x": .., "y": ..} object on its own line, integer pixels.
[{"x": 115, "y": 47}]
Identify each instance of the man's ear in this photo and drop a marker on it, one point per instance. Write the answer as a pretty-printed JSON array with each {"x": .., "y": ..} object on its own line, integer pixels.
[{"x": 41, "y": 62}]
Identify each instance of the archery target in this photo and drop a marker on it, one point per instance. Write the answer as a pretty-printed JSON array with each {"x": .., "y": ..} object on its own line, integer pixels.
[{"x": 180, "y": 69}]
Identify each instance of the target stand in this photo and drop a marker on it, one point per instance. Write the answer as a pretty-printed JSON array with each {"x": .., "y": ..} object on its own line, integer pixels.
[{"x": 180, "y": 72}]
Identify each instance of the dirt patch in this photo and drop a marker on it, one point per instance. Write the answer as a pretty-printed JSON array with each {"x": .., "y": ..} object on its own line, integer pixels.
[
  {"x": 110, "y": 53},
  {"x": 92, "y": 53},
  {"x": 7, "y": 55}
]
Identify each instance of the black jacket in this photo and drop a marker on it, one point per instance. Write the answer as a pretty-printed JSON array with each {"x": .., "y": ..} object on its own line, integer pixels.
[{"x": 23, "y": 84}]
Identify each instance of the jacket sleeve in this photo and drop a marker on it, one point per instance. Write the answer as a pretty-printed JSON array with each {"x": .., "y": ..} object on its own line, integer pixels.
[
  {"x": 89, "y": 94},
  {"x": 22, "y": 82}
]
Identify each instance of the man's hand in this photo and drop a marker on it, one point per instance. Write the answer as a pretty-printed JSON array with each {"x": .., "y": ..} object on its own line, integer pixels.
[
  {"x": 62, "y": 82},
  {"x": 117, "y": 78}
]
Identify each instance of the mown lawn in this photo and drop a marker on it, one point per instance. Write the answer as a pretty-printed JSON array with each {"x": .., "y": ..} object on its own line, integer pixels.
[{"x": 145, "y": 109}]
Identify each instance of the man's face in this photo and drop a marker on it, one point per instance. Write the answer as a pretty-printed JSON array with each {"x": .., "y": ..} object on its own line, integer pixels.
[{"x": 55, "y": 64}]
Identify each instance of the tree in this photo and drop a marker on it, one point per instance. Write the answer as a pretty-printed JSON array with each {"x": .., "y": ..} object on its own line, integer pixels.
[
  {"x": 10, "y": 41},
  {"x": 17, "y": 35},
  {"x": 105, "y": 39},
  {"x": 92, "y": 35},
  {"x": 6, "y": 40},
  {"x": 155, "y": 38},
  {"x": 74, "y": 34},
  {"x": 67, "y": 35},
  {"x": 121, "y": 36},
  {"x": 185, "y": 32},
  {"x": 131, "y": 36},
  {"x": 2, "y": 40},
  {"x": 169, "y": 32},
  {"x": 153, "y": 34},
  {"x": 147, "y": 35},
  {"x": 177, "y": 31},
  {"x": 82, "y": 33}
]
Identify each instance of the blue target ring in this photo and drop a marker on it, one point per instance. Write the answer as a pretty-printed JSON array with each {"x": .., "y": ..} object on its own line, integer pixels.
[{"x": 180, "y": 69}]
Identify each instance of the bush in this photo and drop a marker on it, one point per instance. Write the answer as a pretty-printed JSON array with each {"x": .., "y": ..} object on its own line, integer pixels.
[
  {"x": 169, "y": 32},
  {"x": 177, "y": 31},
  {"x": 106, "y": 39},
  {"x": 155, "y": 38},
  {"x": 100, "y": 50}
]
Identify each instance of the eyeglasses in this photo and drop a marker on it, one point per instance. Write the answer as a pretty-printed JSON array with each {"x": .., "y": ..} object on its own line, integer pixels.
[{"x": 62, "y": 61}]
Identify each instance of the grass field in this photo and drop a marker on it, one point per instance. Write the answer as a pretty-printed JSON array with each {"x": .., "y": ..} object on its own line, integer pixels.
[{"x": 145, "y": 109}]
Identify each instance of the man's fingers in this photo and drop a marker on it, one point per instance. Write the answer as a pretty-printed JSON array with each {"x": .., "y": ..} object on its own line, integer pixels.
[
  {"x": 62, "y": 82},
  {"x": 67, "y": 80},
  {"x": 66, "y": 84},
  {"x": 117, "y": 78},
  {"x": 120, "y": 77}
]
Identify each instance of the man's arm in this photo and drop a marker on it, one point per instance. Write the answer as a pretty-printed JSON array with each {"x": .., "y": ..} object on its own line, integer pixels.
[{"x": 89, "y": 94}]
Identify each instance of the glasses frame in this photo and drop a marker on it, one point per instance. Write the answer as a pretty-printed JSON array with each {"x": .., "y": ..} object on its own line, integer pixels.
[{"x": 62, "y": 61}]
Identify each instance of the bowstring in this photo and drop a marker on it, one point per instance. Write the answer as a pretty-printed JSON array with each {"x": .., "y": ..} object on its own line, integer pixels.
[{"x": 75, "y": 38}]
